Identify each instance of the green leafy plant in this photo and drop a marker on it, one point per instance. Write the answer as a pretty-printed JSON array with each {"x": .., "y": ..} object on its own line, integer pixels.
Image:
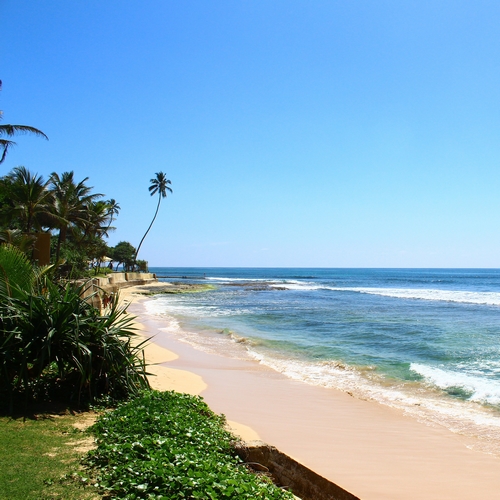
[
  {"x": 17, "y": 274},
  {"x": 166, "y": 445},
  {"x": 55, "y": 342}
]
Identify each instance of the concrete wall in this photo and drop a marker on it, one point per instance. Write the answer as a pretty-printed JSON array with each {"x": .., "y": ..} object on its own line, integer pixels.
[
  {"x": 91, "y": 292},
  {"x": 139, "y": 276},
  {"x": 302, "y": 482},
  {"x": 111, "y": 283},
  {"x": 116, "y": 278}
]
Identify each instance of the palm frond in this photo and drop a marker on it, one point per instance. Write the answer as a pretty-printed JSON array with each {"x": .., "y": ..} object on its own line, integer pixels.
[
  {"x": 16, "y": 271},
  {"x": 5, "y": 145},
  {"x": 11, "y": 130}
]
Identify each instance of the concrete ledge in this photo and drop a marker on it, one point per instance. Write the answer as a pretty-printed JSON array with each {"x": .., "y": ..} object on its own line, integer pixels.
[
  {"x": 117, "y": 278},
  {"x": 101, "y": 281},
  {"x": 301, "y": 481},
  {"x": 96, "y": 289},
  {"x": 126, "y": 284}
]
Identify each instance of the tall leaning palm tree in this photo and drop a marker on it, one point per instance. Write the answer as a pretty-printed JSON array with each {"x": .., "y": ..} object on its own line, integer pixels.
[
  {"x": 160, "y": 185},
  {"x": 10, "y": 131}
]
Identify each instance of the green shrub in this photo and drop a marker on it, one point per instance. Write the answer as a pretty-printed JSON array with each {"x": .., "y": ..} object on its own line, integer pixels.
[
  {"x": 170, "y": 446},
  {"x": 55, "y": 343}
]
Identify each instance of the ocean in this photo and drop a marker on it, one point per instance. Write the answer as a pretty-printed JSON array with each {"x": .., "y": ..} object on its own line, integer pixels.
[{"x": 424, "y": 341}]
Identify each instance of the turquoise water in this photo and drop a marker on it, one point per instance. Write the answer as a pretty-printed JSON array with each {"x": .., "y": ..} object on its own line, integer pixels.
[{"x": 423, "y": 340}]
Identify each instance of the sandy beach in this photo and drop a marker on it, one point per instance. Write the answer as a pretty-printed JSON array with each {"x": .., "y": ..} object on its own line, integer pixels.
[{"x": 373, "y": 451}]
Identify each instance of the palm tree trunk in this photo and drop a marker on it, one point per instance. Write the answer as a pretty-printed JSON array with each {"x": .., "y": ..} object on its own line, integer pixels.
[{"x": 146, "y": 233}]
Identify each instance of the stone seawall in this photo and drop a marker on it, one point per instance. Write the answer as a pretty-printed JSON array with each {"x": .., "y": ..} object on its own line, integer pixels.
[
  {"x": 120, "y": 280},
  {"x": 98, "y": 287},
  {"x": 287, "y": 472}
]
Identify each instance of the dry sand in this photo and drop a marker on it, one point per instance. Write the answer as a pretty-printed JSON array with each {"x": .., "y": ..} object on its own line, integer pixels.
[{"x": 373, "y": 451}]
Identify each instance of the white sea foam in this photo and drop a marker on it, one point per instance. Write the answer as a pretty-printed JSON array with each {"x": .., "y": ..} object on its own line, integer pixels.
[
  {"x": 426, "y": 403},
  {"x": 237, "y": 280},
  {"x": 171, "y": 322},
  {"x": 428, "y": 407},
  {"x": 481, "y": 389},
  {"x": 161, "y": 305},
  {"x": 297, "y": 285},
  {"x": 464, "y": 297}
]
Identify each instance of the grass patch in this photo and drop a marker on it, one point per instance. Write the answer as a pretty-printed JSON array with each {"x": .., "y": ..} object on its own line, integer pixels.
[
  {"x": 39, "y": 458},
  {"x": 166, "y": 445},
  {"x": 160, "y": 445}
]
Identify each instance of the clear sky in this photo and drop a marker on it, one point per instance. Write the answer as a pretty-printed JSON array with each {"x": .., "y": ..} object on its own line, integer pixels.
[{"x": 295, "y": 133}]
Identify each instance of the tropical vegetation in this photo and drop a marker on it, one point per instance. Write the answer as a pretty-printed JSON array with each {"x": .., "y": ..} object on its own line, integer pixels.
[
  {"x": 77, "y": 219},
  {"x": 124, "y": 254},
  {"x": 169, "y": 445},
  {"x": 54, "y": 344}
]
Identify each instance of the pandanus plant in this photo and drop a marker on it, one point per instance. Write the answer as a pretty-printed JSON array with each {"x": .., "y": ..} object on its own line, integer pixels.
[{"x": 54, "y": 339}]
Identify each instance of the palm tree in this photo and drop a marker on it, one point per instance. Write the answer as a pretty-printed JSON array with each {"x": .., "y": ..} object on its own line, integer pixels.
[
  {"x": 30, "y": 198},
  {"x": 158, "y": 185},
  {"x": 10, "y": 131},
  {"x": 113, "y": 209},
  {"x": 97, "y": 220},
  {"x": 70, "y": 204}
]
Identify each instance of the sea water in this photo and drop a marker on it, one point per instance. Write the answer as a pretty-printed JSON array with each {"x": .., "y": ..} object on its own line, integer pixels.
[{"x": 425, "y": 341}]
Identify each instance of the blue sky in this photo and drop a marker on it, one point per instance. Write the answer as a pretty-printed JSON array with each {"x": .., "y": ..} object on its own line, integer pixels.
[{"x": 295, "y": 133}]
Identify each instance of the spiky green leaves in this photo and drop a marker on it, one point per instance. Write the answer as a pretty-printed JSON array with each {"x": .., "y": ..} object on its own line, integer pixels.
[{"x": 17, "y": 275}]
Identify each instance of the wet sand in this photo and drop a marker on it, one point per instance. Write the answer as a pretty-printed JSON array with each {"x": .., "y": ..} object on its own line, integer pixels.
[{"x": 373, "y": 451}]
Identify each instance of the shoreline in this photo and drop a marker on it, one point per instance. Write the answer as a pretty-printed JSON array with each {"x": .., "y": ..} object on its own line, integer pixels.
[
  {"x": 373, "y": 451},
  {"x": 166, "y": 378}
]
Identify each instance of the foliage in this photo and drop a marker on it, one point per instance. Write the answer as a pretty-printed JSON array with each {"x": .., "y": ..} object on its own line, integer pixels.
[
  {"x": 142, "y": 265},
  {"x": 30, "y": 199},
  {"x": 54, "y": 343},
  {"x": 72, "y": 205},
  {"x": 73, "y": 260},
  {"x": 39, "y": 458},
  {"x": 62, "y": 206},
  {"x": 17, "y": 274},
  {"x": 31, "y": 205},
  {"x": 123, "y": 253},
  {"x": 17, "y": 238},
  {"x": 169, "y": 446}
]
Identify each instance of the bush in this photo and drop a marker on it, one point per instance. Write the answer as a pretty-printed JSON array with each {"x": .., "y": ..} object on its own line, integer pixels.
[
  {"x": 170, "y": 446},
  {"x": 55, "y": 343}
]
